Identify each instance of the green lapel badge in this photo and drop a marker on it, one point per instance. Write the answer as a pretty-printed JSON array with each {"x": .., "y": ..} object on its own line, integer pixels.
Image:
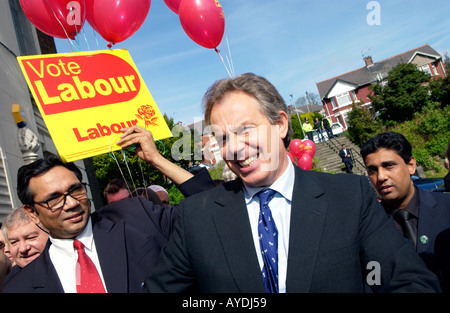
[{"x": 423, "y": 239}]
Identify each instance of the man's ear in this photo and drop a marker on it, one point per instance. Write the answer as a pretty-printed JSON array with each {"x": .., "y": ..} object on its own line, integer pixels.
[
  {"x": 283, "y": 123},
  {"x": 412, "y": 166},
  {"x": 32, "y": 213}
]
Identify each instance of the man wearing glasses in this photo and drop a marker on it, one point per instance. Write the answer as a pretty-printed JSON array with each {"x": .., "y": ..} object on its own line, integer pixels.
[{"x": 111, "y": 250}]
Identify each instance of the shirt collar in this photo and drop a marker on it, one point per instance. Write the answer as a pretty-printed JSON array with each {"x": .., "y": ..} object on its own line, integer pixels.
[
  {"x": 283, "y": 185},
  {"x": 66, "y": 245}
]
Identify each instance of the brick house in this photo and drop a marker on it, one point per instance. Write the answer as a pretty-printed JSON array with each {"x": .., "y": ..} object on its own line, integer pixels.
[{"x": 340, "y": 92}]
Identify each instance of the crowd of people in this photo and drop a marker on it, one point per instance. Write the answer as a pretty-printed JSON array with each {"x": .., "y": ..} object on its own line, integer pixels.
[{"x": 272, "y": 227}]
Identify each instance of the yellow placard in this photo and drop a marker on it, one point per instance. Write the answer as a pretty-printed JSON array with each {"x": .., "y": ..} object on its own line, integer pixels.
[{"x": 85, "y": 98}]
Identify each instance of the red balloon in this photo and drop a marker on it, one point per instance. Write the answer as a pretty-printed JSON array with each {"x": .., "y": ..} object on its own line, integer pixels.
[
  {"x": 291, "y": 157},
  {"x": 309, "y": 147},
  {"x": 305, "y": 162},
  {"x": 57, "y": 18},
  {"x": 116, "y": 20},
  {"x": 296, "y": 147},
  {"x": 203, "y": 21},
  {"x": 174, "y": 5}
]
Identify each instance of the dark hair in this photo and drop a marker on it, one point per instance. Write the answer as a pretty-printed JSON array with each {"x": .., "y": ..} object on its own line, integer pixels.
[
  {"x": 114, "y": 186},
  {"x": 147, "y": 193},
  {"x": 256, "y": 86},
  {"x": 38, "y": 167},
  {"x": 388, "y": 140}
]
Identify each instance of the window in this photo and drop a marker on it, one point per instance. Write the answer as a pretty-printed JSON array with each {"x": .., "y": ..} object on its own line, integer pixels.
[
  {"x": 434, "y": 70},
  {"x": 333, "y": 102},
  {"x": 426, "y": 69},
  {"x": 343, "y": 99}
]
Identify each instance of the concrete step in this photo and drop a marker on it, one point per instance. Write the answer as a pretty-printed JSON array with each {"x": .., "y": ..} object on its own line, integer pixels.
[{"x": 327, "y": 152}]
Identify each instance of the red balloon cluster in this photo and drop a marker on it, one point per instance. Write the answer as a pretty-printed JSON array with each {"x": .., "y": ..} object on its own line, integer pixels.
[
  {"x": 202, "y": 20},
  {"x": 303, "y": 152},
  {"x": 114, "y": 20}
]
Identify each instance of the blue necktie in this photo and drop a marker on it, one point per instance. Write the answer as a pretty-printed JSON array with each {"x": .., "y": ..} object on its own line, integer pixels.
[{"x": 268, "y": 241}]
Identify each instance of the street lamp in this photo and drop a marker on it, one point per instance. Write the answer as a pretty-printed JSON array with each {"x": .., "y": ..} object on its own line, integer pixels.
[{"x": 296, "y": 111}]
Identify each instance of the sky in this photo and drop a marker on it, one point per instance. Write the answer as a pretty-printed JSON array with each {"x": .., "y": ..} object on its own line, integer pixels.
[{"x": 293, "y": 43}]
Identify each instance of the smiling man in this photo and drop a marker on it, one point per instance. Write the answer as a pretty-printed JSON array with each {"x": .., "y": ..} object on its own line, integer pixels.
[
  {"x": 390, "y": 164},
  {"x": 277, "y": 228},
  {"x": 110, "y": 250},
  {"x": 26, "y": 240}
]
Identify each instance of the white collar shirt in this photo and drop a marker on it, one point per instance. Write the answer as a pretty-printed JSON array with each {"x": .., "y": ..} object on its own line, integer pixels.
[
  {"x": 280, "y": 205},
  {"x": 64, "y": 257}
]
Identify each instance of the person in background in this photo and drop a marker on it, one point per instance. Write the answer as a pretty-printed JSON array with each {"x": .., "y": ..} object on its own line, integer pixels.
[
  {"x": 319, "y": 130},
  {"x": 148, "y": 194},
  {"x": 5, "y": 267},
  {"x": 418, "y": 214},
  {"x": 4, "y": 246},
  {"x": 162, "y": 193},
  {"x": 307, "y": 127},
  {"x": 276, "y": 228},
  {"x": 346, "y": 159},
  {"x": 5, "y": 261},
  {"x": 326, "y": 123},
  {"x": 447, "y": 166},
  {"x": 26, "y": 240},
  {"x": 116, "y": 190}
]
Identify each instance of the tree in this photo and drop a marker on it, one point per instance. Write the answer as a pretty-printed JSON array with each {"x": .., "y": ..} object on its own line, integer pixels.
[
  {"x": 406, "y": 93},
  {"x": 362, "y": 124}
]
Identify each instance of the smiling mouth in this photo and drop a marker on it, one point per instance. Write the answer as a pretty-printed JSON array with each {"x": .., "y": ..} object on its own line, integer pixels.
[
  {"x": 248, "y": 162},
  {"x": 75, "y": 216}
]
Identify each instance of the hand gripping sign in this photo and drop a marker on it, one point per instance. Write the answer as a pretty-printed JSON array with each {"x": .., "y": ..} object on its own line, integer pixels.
[{"x": 85, "y": 98}]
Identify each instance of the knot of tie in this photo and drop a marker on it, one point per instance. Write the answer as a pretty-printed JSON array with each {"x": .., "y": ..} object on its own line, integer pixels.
[
  {"x": 403, "y": 218},
  {"x": 266, "y": 195},
  {"x": 78, "y": 245}
]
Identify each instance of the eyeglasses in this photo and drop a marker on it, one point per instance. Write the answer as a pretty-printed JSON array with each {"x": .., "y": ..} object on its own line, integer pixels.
[{"x": 57, "y": 202}]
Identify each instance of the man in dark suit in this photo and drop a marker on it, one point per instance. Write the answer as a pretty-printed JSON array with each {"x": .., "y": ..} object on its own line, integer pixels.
[
  {"x": 390, "y": 164},
  {"x": 122, "y": 240},
  {"x": 346, "y": 159},
  {"x": 320, "y": 239}
]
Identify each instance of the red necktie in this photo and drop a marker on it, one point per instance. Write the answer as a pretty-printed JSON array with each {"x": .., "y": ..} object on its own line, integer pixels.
[{"x": 88, "y": 279}]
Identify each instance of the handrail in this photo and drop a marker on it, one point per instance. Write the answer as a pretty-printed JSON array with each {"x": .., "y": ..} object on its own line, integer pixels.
[{"x": 338, "y": 147}]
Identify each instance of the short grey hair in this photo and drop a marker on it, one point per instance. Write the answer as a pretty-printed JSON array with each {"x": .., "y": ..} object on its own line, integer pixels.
[
  {"x": 17, "y": 217},
  {"x": 260, "y": 88}
]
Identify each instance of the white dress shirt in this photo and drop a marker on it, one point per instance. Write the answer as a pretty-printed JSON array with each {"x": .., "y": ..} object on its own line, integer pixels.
[
  {"x": 280, "y": 205},
  {"x": 64, "y": 257}
]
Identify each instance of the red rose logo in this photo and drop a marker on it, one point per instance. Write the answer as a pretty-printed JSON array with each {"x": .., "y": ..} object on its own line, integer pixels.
[{"x": 147, "y": 113}]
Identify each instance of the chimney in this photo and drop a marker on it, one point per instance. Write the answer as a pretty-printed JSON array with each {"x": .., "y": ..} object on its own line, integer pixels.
[{"x": 368, "y": 61}]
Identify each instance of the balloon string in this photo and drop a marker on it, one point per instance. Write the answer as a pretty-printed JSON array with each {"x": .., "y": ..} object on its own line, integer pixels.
[
  {"x": 218, "y": 52},
  {"x": 96, "y": 39},
  {"x": 229, "y": 53},
  {"x": 111, "y": 154},
  {"x": 62, "y": 26},
  {"x": 85, "y": 39},
  {"x": 128, "y": 168}
]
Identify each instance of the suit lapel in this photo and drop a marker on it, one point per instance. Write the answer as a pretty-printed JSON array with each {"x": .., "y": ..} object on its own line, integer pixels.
[
  {"x": 426, "y": 222},
  {"x": 233, "y": 226},
  {"x": 109, "y": 240},
  {"x": 45, "y": 278},
  {"x": 308, "y": 210}
]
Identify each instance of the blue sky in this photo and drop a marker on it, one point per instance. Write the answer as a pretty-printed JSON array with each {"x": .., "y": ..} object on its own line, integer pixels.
[{"x": 293, "y": 43}]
